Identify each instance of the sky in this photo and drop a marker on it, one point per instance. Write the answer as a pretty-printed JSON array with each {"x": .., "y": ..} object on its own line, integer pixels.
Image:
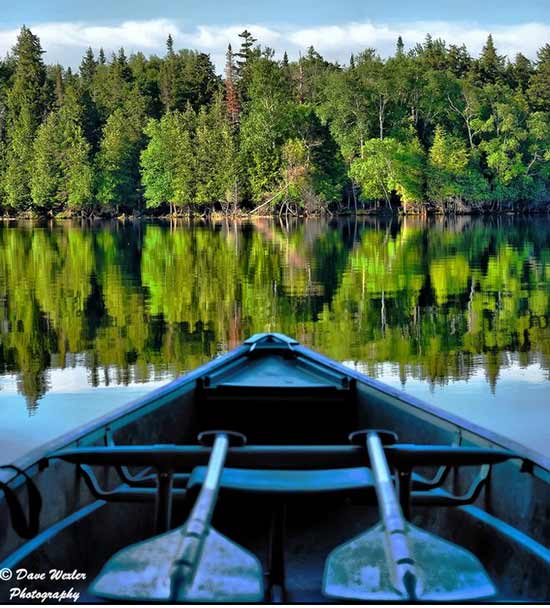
[{"x": 336, "y": 28}]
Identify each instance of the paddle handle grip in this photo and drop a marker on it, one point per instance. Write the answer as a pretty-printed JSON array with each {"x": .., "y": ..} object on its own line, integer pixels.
[{"x": 398, "y": 553}]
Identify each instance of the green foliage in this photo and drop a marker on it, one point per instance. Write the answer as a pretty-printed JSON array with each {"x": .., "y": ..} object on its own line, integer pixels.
[
  {"x": 62, "y": 174},
  {"x": 447, "y": 166},
  {"x": 46, "y": 176},
  {"x": 265, "y": 127},
  {"x": 187, "y": 77},
  {"x": 430, "y": 120},
  {"x": 539, "y": 87},
  {"x": 118, "y": 157},
  {"x": 216, "y": 157},
  {"x": 167, "y": 163},
  {"x": 26, "y": 100},
  {"x": 374, "y": 171},
  {"x": 387, "y": 166}
]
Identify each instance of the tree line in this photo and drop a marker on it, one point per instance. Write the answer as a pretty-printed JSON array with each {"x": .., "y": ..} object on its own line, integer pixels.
[{"x": 429, "y": 129}]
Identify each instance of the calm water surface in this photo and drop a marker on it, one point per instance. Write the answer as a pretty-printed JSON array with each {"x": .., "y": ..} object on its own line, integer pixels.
[{"x": 453, "y": 311}]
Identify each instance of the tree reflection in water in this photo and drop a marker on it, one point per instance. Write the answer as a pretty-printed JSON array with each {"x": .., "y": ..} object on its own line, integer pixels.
[{"x": 441, "y": 299}]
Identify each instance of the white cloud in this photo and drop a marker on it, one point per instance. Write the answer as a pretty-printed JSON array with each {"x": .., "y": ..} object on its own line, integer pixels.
[{"x": 65, "y": 42}]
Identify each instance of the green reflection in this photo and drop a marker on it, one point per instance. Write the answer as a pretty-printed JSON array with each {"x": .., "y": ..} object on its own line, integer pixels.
[{"x": 441, "y": 299}]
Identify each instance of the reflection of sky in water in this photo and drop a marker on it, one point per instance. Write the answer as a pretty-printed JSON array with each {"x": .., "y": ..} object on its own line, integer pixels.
[
  {"x": 516, "y": 408},
  {"x": 70, "y": 402}
]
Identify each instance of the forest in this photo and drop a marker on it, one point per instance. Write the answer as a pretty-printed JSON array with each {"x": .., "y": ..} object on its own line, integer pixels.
[{"x": 428, "y": 130}]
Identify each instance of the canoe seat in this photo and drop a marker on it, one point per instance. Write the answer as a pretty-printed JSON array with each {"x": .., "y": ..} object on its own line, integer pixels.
[{"x": 286, "y": 482}]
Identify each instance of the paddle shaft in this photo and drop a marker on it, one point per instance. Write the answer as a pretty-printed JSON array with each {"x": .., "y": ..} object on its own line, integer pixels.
[
  {"x": 198, "y": 525},
  {"x": 398, "y": 552}
]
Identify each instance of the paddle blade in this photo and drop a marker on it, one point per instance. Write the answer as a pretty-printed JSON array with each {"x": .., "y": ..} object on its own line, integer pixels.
[
  {"x": 226, "y": 572},
  {"x": 357, "y": 570}
]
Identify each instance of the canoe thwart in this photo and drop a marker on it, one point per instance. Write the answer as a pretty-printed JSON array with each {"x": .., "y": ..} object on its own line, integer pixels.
[{"x": 168, "y": 457}]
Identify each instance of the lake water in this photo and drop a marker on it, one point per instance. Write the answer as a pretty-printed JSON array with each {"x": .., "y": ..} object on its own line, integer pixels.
[{"x": 454, "y": 311}]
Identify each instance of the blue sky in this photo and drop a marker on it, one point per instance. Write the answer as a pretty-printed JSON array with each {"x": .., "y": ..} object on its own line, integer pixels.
[
  {"x": 297, "y": 12},
  {"x": 336, "y": 28}
]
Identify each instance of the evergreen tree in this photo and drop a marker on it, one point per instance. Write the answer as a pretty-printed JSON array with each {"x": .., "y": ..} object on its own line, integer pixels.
[
  {"x": 539, "y": 87},
  {"x": 59, "y": 86},
  {"x": 519, "y": 72},
  {"x": 459, "y": 60},
  {"x": 62, "y": 175},
  {"x": 26, "y": 105},
  {"x": 46, "y": 176},
  {"x": 490, "y": 66},
  {"x": 246, "y": 56},
  {"x": 167, "y": 77},
  {"x": 400, "y": 47},
  {"x": 118, "y": 157},
  {"x": 88, "y": 67},
  {"x": 169, "y": 46},
  {"x": 216, "y": 157},
  {"x": 75, "y": 158},
  {"x": 246, "y": 52}
]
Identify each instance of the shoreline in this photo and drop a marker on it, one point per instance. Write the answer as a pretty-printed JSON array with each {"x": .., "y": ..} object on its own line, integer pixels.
[{"x": 243, "y": 216}]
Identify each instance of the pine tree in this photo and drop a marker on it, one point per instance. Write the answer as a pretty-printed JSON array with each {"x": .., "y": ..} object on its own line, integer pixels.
[
  {"x": 169, "y": 46},
  {"x": 400, "y": 48},
  {"x": 59, "y": 86},
  {"x": 285, "y": 60},
  {"x": 112, "y": 84},
  {"x": 246, "y": 51},
  {"x": 75, "y": 154},
  {"x": 118, "y": 157},
  {"x": 88, "y": 67},
  {"x": 25, "y": 109},
  {"x": 62, "y": 171},
  {"x": 167, "y": 77},
  {"x": 490, "y": 65},
  {"x": 520, "y": 72},
  {"x": 46, "y": 175},
  {"x": 539, "y": 87},
  {"x": 245, "y": 58}
]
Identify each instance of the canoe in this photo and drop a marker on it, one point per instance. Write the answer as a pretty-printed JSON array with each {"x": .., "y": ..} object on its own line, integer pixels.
[{"x": 292, "y": 498}]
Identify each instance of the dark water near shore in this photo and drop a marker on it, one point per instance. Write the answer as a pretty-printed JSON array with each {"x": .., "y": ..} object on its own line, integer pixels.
[{"x": 455, "y": 311}]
